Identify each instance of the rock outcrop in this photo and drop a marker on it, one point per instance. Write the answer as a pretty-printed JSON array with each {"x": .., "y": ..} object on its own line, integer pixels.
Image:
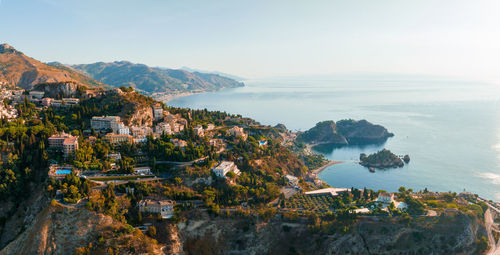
[{"x": 344, "y": 132}]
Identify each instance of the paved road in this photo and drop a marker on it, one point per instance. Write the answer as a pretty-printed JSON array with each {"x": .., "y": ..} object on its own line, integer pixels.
[{"x": 490, "y": 227}]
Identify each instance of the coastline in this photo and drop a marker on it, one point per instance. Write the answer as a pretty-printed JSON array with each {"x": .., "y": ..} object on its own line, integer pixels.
[
  {"x": 321, "y": 168},
  {"x": 165, "y": 98}
]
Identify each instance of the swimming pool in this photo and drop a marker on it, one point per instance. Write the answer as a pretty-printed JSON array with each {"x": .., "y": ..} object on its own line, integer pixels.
[{"x": 65, "y": 171}]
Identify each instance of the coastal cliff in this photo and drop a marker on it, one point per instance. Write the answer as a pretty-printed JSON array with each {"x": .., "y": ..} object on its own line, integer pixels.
[{"x": 344, "y": 132}]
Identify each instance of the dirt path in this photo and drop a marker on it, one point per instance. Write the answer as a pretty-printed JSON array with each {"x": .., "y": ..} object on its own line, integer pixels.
[{"x": 488, "y": 221}]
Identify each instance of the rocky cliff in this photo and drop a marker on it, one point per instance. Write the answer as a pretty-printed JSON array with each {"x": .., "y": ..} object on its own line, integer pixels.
[{"x": 453, "y": 234}]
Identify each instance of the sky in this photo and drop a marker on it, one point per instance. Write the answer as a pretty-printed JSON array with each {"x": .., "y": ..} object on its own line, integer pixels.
[{"x": 256, "y": 39}]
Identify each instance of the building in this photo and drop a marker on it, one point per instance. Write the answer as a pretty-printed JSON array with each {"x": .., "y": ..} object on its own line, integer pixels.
[
  {"x": 210, "y": 127},
  {"x": 36, "y": 94},
  {"x": 117, "y": 139},
  {"x": 163, "y": 128},
  {"x": 179, "y": 142},
  {"x": 292, "y": 180},
  {"x": 224, "y": 167},
  {"x": 115, "y": 156},
  {"x": 104, "y": 122},
  {"x": 157, "y": 112},
  {"x": 140, "y": 132},
  {"x": 238, "y": 132},
  {"x": 64, "y": 142},
  {"x": 327, "y": 192},
  {"x": 198, "y": 130},
  {"x": 119, "y": 128},
  {"x": 146, "y": 170},
  {"x": 384, "y": 197},
  {"x": 164, "y": 207}
]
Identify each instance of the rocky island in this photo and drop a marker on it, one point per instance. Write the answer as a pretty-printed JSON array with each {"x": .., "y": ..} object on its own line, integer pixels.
[
  {"x": 344, "y": 132},
  {"x": 381, "y": 159}
]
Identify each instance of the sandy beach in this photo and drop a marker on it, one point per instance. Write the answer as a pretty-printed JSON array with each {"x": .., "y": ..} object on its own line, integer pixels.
[{"x": 330, "y": 163}]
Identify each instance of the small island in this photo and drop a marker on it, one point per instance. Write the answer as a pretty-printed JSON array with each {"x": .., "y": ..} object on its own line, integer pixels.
[{"x": 381, "y": 159}]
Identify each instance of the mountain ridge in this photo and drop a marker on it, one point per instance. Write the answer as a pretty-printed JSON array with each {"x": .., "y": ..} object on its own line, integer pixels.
[{"x": 152, "y": 80}]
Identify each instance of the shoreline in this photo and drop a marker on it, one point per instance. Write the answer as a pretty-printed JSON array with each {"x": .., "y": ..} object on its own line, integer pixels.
[
  {"x": 321, "y": 168},
  {"x": 168, "y": 97}
]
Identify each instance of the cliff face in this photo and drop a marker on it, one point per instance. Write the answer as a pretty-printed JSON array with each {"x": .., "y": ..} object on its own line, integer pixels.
[
  {"x": 344, "y": 132},
  {"x": 62, "y": 230},
  {"x": 370, "y": 235}
]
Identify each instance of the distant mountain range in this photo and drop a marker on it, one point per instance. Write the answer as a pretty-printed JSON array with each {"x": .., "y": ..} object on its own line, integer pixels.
[
  {"x": 154, "y": 79},
  {"x": 25, "y": 72},
  {"x": 234, "y": 77}
]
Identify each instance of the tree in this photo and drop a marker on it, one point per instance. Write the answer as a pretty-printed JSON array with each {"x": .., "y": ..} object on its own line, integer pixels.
[{"x": 152, "y": 231}]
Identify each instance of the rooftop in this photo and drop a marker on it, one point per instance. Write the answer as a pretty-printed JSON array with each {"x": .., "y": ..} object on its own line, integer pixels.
[{"x": 332, "y": 191}]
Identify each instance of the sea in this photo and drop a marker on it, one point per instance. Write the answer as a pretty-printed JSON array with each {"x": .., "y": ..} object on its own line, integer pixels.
[{"x": 449, "y": 128}]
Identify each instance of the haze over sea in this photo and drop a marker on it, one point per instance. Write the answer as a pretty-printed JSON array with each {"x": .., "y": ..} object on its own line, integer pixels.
[{"x": 450, "y": 129}]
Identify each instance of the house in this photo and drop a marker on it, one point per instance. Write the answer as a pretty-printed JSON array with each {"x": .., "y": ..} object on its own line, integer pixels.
[
  {"x": 384, "y": 197},
  {"x": 327, "y": 192},
  {"x": 179, "y": 142},
  {"x": 157, "y": 112},
  {"x": 104, "y": 122},
  {"x": 362, "y": 211},
  {"x": 238, "y": 132},
  {"x": 210, "y": 127},
  {"x": 292, "y": 180},
  {"x": 64, "y": 142},
  {"x": 117, "y": 139},
  {"x": 198, "y": 130},
  {"x": 164, "y": 207},
  {"x": 146, "y": 170},
  {"x": 224, "y": 167}
]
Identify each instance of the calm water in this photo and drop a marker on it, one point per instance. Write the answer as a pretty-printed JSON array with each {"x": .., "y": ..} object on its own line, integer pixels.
[{"x": 451, "y": 130}]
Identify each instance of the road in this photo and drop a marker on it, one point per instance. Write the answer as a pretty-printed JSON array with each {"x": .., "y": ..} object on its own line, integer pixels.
[{"x": 490, "y": 227}]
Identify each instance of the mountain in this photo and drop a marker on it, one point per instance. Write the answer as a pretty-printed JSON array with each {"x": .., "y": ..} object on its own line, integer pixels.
[
  {"x": 153, "y": 79},
  {"x": 192, "y": 70},
  {"x": 25, "y": 72}
]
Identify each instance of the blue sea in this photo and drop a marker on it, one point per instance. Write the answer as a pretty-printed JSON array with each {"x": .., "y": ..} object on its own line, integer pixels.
[{"x": 450, "y": 129}]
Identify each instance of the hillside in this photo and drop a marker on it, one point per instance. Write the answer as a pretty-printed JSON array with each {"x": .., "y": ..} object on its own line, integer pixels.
[
  {"x": 151, "y": 80},
  {"x": 25, "y": 72}
]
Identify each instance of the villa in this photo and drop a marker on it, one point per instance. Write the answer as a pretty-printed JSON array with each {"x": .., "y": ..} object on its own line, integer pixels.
[
  {"x": 164, "y": 207},
  {"x": 224, "y": 167},
  {"x": 384, "y": 197},
  {"x": 292, "y": 180}
]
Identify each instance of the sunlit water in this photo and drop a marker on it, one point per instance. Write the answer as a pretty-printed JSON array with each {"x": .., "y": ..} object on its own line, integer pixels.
[{"x": 451, "y": 130}]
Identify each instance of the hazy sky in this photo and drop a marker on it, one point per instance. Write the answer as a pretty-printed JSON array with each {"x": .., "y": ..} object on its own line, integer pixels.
[{"x": 458, "y": 38}]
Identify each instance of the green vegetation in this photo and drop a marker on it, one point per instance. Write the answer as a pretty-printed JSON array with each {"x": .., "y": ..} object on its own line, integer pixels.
[{"x": 381, "y": 159}]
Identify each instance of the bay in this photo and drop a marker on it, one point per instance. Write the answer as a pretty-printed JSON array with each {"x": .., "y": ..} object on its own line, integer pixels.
[{"x": 450, "y": 129}]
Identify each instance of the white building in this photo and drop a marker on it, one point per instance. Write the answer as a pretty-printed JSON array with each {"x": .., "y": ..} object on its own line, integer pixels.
[
  {"x": 146, "y": 170},
  {"x": 292, "y": 180},
  {"x": 224, "y": 167},
  {"x": 385, "y": 198},
  {"x": 36, "y": 94}
]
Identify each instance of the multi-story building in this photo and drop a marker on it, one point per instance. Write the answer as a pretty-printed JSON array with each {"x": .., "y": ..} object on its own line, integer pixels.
[
  {"x": 163, "y": 128},
  {"x": 104, "y": 122},
  {"x": 120, "y": 129},
  {"x": 64, "y": 102},
  {"x": 224, "y": 167},
  {"x": 157, "y": 112},
  {"x": 64, "y": 142},
  {"x": 117, "y": 139},
  {"x": 164, "y": 207}
]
